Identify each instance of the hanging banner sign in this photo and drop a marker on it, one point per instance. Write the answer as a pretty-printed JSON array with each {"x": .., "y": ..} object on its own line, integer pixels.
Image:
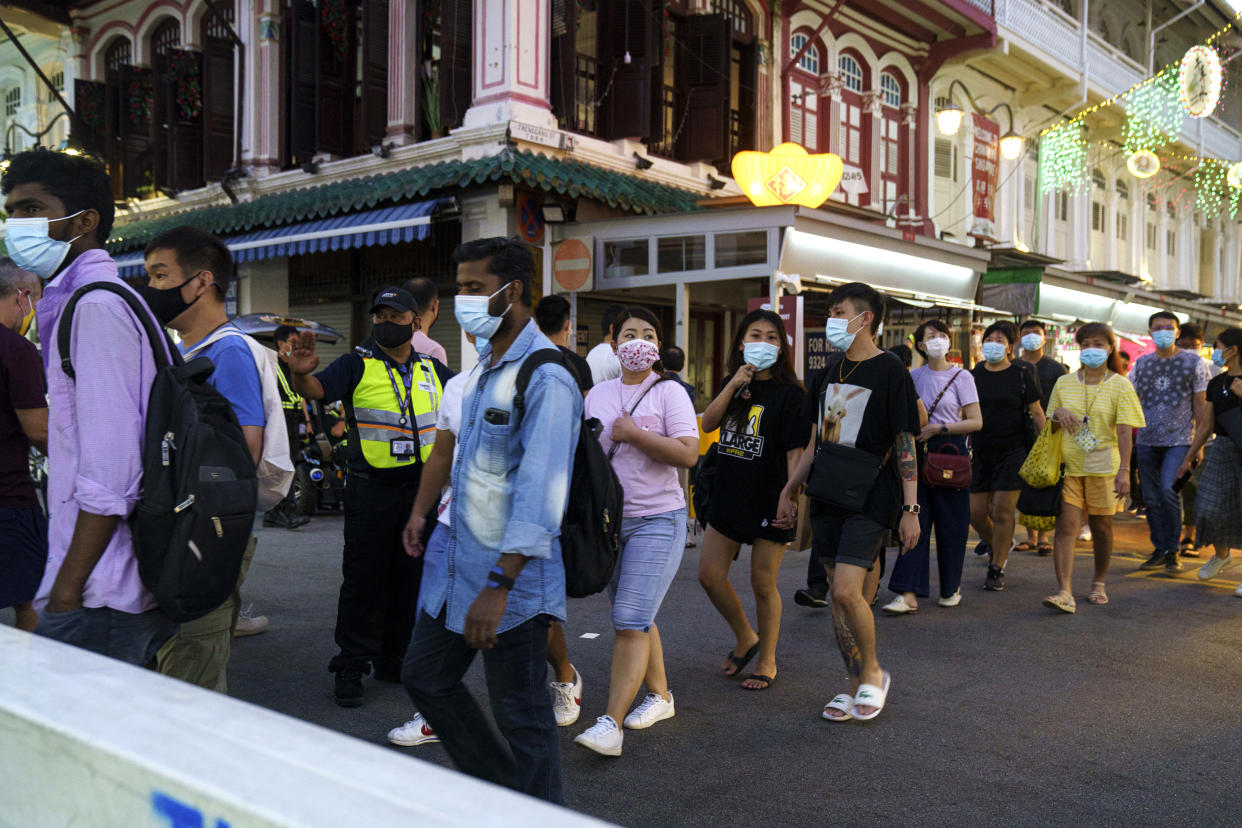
[{"x": 984, "y": 169}]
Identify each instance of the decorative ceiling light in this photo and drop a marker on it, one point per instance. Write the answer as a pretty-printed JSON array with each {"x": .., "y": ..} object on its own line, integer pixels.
[
  {"x": 787, "y": 175},
  {"x": 949, "y": 119},
  {"x": 1234, "y": 176},
  {"x": 1143, "y": 164},
  {"x": 1199, "y": 79},
  {"x": 1011, "y": 145}
]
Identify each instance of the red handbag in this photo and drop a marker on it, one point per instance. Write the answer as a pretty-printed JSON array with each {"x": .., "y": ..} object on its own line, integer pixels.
[{"x": 946, "y": 468}]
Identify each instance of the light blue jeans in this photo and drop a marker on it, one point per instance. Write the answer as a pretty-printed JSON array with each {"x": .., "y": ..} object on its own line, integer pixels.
[{"x": 651, "y": 550}]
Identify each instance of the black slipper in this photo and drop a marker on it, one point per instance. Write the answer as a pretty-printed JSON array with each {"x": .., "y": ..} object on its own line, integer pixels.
[
  {"x": 740, "y": 662},
  {"x": 758, "y": 677}
]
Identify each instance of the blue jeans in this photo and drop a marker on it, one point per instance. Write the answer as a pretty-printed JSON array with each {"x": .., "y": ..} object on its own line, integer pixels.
[
  {"x": 134, "y": 638},
  {"x": 518, "y": 689},
  {"x": 1158, "y": 470},
  {"x": 948, "y": 511},
  {"x": 651, "y": 550}
]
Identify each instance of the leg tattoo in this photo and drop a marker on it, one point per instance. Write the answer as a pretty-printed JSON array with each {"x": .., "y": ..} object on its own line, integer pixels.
[{"x": 846, "y": 643}]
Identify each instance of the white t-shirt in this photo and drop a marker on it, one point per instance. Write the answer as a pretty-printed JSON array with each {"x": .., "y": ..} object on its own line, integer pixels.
[
  {"x": 449, "y": 419},
  {"x": 604, "y": 363}
]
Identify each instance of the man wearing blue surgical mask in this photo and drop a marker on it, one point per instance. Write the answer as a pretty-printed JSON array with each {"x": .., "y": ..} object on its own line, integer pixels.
[
  {"x": 61, "y": 213},
  {"x": 1172, "y": 387}
]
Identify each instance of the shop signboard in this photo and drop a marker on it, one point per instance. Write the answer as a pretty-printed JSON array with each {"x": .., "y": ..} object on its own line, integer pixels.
[
  {"x": 1013, "y": 289},
  {"x": 984, "y": 168}
]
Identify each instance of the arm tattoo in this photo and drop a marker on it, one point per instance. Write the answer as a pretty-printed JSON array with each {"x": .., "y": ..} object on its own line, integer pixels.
[{"x": 906, "y": 461}]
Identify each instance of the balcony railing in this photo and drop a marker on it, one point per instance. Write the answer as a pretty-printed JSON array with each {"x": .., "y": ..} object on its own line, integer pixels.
[{"x": 1052, "y": 32}]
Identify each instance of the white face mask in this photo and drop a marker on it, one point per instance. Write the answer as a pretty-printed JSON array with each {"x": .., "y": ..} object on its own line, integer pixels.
[
  {"x": 32, "y": 249},
  {"x": 936, "y": 348}
]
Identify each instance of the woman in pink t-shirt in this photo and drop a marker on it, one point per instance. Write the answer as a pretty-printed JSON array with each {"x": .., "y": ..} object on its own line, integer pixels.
[{"x": 649, "y": 431}]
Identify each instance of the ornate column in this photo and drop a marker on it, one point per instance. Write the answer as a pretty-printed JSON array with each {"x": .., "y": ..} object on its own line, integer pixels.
[
  {"x": 264, "y": 74},
  {"x": 1112, "y": 251},
  {"x": 511, "y": 60},
  {"x": 404, "y": 72},
  {"x": 915, "y": 170},
  {"x": 873, "y": 109},
  {"x": 830, "y": 89}
]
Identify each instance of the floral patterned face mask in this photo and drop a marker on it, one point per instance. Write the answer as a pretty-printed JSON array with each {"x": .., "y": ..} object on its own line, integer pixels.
[{"x": 637, "y": 355}]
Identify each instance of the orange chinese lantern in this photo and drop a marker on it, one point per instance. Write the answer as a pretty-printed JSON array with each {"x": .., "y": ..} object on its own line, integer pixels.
[{"x": 787, "y": 175}]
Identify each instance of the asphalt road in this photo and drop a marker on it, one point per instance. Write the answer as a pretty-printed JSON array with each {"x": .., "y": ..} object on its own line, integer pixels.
[{"x": 1001, "y": 711}]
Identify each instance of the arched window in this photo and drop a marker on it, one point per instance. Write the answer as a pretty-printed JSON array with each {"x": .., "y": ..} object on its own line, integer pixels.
[
  {"x": 739, "y": 16},
  {"x": 1099, "y": 187},
  {"x": 119, "y": 53},
  {"x": 166, "y": 37},
  {"x": 853, "y": 144},
  {"x": 893, "y": 139},
  {"x": 851, "y": 73},
  {"x": 803, "y": 94},
  {"x": 12, "y": 101},
  {"x": 809, "y": 62}
]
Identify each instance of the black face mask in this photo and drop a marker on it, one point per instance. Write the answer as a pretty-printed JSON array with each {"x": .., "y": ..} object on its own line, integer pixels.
[
  {"x": 167, "y": 305},
  {"x": 391, "y": 335}
]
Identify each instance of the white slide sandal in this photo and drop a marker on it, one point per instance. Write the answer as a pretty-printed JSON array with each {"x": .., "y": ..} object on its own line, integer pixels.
[
  {"x": 871, "y": 696},
  {"x": 842, "y": 703}
]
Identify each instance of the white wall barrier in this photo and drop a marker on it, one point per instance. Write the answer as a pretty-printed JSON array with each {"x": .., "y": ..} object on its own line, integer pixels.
[{"x": 86, "y": 741}]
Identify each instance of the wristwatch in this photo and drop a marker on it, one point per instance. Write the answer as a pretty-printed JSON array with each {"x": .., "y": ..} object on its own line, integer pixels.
[
  {"x": 497, "y": 579},
  {"x": 913, "y": 509}
]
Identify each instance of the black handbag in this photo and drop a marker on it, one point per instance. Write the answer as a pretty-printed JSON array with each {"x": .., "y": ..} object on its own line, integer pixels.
[
  {"x": 843, "y": 476},
  {"x": 702, "y": 482},
  {"x": 1045, "y": 502}
]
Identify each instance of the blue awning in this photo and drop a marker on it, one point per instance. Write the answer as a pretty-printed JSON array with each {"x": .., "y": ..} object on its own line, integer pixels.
[{"x": 386, "y": 225}]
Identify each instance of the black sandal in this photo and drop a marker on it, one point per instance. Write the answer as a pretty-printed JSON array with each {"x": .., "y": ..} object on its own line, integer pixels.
[
  {"x": 740, "y": 662},
  {"x": 767, "y": 680}
]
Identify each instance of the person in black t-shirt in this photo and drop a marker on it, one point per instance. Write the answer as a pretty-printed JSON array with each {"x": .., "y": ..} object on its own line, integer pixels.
[
  {"x": 865, "y": 400},
  {"x": 1218, "y": 503},
  {"x": 1034, "y": 338},
  {"x": 554, "y": 319},
  {"x": 1007, "y": 396},
  {"x": 762, "y": 432}
]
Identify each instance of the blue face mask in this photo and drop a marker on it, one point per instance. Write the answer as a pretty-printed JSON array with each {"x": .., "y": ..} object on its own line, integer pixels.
[
  {"x": 1094, "y": 357},
  {"x": 1164, "y": 338},
  {"x": 1032, "y": 342},
  {"x": 762, "y": 355},
  {"x": 994, "y": 351},
  {"x": 836, "y": 332},
  {"x": 1218, "y": 358},
  {"x": 32, "y": 249},
  {"x": 473, "y": 315}
]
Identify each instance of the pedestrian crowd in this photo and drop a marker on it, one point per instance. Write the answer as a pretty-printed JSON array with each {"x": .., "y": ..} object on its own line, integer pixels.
[{"x": 464, "y": 520}]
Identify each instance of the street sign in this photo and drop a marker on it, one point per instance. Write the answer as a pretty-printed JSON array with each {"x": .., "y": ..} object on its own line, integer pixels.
[
  {"x": 530, "y": 217},
  {"x": 572, "y": 264}
]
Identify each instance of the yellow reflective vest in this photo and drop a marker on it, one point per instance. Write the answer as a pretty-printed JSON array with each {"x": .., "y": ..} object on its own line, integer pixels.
[
  {"x": 290, "y": 400},
  {"x": 376, "y": 412}
]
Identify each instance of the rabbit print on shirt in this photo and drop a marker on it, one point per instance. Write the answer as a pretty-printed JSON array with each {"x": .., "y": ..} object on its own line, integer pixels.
[{"x": 841, "y": 412}]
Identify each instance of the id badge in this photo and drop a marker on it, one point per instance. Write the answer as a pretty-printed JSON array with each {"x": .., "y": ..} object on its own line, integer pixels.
[
  {"x": 402, "y": 448},
  {"x": 1087, "y": 441}
]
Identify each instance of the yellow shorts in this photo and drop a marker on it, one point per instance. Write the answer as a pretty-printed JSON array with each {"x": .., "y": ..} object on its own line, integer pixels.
[{"x": 1093, "y": 495}]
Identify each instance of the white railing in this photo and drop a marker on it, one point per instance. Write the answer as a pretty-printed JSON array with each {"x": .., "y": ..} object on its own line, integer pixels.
[{"x": 89, "y": 741}]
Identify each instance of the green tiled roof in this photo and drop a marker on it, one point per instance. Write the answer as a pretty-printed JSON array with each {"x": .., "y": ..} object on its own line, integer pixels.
[{"x": 567, "y": 176}]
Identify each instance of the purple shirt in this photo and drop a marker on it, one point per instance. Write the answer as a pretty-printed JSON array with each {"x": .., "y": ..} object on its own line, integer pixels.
[
  {"x": 428, "y": 346},
  {"x": 95, "y": 428},
  {"x": 961, "y": 393}
]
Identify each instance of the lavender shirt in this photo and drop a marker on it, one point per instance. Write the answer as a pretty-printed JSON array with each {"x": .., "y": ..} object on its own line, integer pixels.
[
  {"x": 95, "y": 428},
  {"x": 961, "y": 393}
]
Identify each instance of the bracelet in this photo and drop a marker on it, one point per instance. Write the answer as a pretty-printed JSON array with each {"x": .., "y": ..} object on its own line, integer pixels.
[
  {"x": 1124, "y": 468},
  {"x": 498, "y": 578}
]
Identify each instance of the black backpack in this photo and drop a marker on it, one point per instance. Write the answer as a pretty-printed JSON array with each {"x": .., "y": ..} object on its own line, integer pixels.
[
  {"x": 591, "y": 528},
  {"x": 199, "y": 489}
]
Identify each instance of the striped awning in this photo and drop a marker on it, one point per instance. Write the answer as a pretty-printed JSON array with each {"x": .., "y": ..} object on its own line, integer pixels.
[{"x": 387, "y": 225}]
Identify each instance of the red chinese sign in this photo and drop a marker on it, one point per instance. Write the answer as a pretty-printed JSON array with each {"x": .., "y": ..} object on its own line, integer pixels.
[{"x": 983, "y": 177}]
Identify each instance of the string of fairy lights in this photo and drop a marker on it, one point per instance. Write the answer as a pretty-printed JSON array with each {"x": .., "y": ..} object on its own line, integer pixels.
[{"x": 1156, "y": 110}]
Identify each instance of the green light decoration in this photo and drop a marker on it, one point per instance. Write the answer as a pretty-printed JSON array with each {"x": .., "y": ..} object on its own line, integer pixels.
[
  {"x": 1213, "y": 194},
  {"x": 1154, "y": 113},
  {"x": 1063, "y": 158}
]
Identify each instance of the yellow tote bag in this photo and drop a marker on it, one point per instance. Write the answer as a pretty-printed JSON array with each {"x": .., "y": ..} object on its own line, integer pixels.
[{"x": 1042, "y": 467}]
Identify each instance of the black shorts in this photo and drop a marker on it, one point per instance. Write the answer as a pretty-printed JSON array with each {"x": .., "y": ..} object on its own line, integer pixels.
[
  {"x": 847, "y": 538},
  {"x": 767, "y": 533},
  {"x": 23, "y": 554},
  {"x": 996, "y": 471}
]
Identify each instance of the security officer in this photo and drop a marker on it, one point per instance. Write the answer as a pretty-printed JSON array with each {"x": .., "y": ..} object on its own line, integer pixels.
[
  {"x": 285, "y": 513},
  {"x": 392, "y": 397}
]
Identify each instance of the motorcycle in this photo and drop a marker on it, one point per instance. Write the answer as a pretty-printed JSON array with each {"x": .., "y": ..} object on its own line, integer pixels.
[{"x": 319, "y": 475}]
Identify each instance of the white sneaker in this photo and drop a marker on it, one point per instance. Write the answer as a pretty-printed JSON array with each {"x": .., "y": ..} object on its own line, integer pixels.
[
  {"x": 1238, "y": 592},
  {"x": 952, "y": 601},
  {"x": 1085, "y": 534},
  {"x": 652, "y": 709},
  {"x": 1213, "y": 567},
  {"x": 567, "y": 699},
  {"x": 603, "y": 737},
  {"x": 898, "y": 606},
  {"x": 248, "y": 624},
  {"x": 414, "y": 732}
]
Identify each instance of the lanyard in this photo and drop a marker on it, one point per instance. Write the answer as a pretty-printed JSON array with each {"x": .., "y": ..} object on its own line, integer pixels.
[
  {"x": 1087, "y": 400},
  {"x": 406, "y": 406}
]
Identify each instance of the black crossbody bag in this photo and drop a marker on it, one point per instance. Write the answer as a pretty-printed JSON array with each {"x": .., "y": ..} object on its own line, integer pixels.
[{"x": 842, "y": 476}]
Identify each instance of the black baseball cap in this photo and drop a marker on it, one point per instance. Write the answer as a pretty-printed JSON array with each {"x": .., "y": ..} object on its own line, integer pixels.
[{"x": 398, "y": 299}]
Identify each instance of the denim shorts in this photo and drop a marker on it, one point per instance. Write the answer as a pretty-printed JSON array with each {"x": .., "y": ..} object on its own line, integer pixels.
[{"x": 651, "y": 550}]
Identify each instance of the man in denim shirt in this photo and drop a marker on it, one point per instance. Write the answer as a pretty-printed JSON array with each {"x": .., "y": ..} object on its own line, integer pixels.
[{"x": 500, "y": 581}]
